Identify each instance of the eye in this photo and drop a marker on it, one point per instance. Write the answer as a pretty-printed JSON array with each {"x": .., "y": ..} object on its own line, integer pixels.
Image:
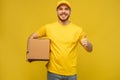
[
  {"x": 60, "y": 9},
  {"x": 67, "y": 9}
]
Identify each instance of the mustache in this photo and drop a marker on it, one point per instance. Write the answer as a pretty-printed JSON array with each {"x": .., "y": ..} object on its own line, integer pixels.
[{"x": 63, "y": 14}]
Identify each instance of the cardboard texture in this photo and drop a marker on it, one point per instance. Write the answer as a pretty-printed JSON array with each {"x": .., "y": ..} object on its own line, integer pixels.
[{"x": 38, "y": 49}]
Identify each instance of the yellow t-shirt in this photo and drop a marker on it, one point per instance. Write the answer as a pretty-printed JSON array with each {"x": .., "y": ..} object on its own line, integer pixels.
[{"x": 64, "y": 40}]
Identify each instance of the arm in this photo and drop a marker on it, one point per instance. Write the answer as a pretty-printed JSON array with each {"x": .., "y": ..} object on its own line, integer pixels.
[
  {"x": 40, "y": 33},
  {"x": 34, "y": 36},
  {"x": 86, "y": 44}
]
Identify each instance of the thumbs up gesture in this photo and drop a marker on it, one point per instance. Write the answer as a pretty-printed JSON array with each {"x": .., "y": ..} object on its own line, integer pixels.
[
  {"x": 86, "y": 44},
  {"x": 84, "y": 41}
]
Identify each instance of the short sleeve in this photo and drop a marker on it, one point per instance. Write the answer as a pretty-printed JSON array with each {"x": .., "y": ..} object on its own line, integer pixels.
[
  {"x": 41, "y": 31},
  {"x": 81, "y": 34}
]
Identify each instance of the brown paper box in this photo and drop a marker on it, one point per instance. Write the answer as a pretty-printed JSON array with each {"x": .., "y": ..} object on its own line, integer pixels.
[{"x": 38, "y": 49}]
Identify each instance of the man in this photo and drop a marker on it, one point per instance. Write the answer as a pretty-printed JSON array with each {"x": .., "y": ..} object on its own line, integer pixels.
[{"x": 64, "y": 37}]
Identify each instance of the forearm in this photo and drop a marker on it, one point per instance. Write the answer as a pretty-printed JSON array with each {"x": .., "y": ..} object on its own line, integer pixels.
[{"x": 34, "y": 36}]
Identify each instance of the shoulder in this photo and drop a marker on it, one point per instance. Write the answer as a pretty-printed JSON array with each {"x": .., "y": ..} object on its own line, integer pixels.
[{"x": 77, "y": 27}]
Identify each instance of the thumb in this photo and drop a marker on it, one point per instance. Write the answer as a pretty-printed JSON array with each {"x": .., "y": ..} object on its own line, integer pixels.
[{"x": 85, "y": 36}]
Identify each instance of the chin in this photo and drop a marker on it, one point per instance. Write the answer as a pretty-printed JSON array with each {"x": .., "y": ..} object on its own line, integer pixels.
[{"x": 63, "y": 19}]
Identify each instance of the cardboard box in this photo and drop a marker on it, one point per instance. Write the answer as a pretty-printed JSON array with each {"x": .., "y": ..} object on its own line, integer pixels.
[{"x": 38, "y": 49}]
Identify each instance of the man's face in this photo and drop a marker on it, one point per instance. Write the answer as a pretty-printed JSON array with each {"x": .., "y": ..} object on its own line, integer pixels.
[{"x": 63, "y": 12}]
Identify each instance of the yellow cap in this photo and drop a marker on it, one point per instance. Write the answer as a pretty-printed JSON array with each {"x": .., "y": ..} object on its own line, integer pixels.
[{"x": 63, "y": 2}]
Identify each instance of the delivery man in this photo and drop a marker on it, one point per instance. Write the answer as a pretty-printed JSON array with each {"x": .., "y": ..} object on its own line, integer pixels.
[{"x": 64, "y": 37}]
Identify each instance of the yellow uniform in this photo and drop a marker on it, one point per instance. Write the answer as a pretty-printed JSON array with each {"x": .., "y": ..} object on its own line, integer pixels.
[{"x": 64, "y": 40}]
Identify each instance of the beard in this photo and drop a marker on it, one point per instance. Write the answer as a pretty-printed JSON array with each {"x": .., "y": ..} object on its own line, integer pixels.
[{"x": 63, "y": 20}]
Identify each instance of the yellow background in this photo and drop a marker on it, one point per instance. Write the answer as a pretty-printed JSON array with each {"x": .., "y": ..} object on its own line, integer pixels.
[{"x": 99, "y": 18}]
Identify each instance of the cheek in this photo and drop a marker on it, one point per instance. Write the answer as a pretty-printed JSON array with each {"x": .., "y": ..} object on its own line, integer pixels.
[
  {"x": 68, "y": 12},
  {"x": 58, "y": 12}
]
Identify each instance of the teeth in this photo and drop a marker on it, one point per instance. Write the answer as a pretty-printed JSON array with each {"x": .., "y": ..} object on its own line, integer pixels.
[{"x": 63, "y": 15}]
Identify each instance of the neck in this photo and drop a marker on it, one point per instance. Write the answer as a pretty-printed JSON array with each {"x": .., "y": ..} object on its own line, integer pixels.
[{"x": 64, "y": 22}]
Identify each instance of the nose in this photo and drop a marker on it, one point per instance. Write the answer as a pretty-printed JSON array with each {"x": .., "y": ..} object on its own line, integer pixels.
[{"x": 63, "y": 10}]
